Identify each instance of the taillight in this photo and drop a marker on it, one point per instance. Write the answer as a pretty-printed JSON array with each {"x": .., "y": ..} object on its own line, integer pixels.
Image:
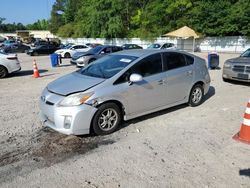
[{"x": 12, "y": 58}]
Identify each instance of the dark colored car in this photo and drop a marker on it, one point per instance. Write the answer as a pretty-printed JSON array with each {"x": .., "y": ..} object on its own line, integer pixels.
[
  {"x": 43, "y": 42},
  {"x": 93, "y": 54},
  {"x": 131, "y": 46},
  {"x": 237, "y": 68},
  {"x": 43, "y": 49},
  {"x": 16, "y": 48}
]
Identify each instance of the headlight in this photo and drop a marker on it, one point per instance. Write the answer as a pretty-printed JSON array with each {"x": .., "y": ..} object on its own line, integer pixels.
[
  {"x": 75, "y": 99},
  {"x": 227, "y": 64},
  {"x": 81, "y": 59}
]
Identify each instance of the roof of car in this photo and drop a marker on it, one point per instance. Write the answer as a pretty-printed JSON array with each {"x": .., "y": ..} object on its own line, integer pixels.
[{"x": 144, "y": 52}]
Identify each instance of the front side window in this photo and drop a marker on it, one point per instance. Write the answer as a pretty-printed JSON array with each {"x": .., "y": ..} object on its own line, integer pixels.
[
  {"x": 146, "y": 67},
  {"x": 173, "y": 60}
]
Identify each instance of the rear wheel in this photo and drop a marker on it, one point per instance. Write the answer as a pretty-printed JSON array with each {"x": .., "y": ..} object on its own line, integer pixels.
[
  {"x": 106, "y": 119},
  {"x": 3, "y": 72},
  {"x": 196, "y": 95},
  {"x": 67, "y": 55}
]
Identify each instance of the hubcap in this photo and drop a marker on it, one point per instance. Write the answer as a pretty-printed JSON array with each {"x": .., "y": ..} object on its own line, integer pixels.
[
  {"x": 108, "y": 119},
  {"x": 196, "y": 95}
]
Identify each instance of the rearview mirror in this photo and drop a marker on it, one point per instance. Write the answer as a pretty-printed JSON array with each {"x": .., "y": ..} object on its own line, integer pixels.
[{"x": 135, "y": 78}]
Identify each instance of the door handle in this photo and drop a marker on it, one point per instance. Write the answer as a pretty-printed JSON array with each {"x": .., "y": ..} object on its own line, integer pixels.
[
  {"x": 189, "y": 73},
  {"x": 160, "y": 82}
]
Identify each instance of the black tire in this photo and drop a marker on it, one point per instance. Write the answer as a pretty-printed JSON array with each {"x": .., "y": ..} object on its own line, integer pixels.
[
  {"x": 67, "y": 55},
  {"x": 101, "y": 117},
  {"x": 196, "y": 95},
  {"x": 225, "y": 79},
  {"x": 3, "y": 72},
  {"x": 91, "y": 60},
  {"x": 35, "y": 54}
]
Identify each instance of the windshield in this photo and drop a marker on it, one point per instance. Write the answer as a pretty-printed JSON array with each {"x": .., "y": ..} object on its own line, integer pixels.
[
  {"x": 154, "y": 46},
  {"x": 107, "y": 66},
  {"x": 95, "y": 50},
  {"x": 246, "y": 53}
]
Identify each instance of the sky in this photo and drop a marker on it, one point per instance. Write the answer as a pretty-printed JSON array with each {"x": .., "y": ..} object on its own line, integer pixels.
[{"x": 25, "y": 11}]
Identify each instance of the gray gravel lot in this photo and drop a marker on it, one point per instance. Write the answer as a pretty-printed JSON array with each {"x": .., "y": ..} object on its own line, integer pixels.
[{"x": 177, "y": 147}]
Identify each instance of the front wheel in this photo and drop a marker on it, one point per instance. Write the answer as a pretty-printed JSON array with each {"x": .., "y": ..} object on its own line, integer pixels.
[
  {"x": 106, "y": 119},
  {"x": 196, "y": 95}
]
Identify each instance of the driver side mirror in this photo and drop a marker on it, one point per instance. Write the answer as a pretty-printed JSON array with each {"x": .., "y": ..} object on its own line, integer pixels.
[{"x": 135, "y": 78}]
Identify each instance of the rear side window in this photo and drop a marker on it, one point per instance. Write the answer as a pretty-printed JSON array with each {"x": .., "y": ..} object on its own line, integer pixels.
[
  {"x": 189, "y": 59},
  {"x": 116, "y": 49},
  {"x": 173, "y": 60}
]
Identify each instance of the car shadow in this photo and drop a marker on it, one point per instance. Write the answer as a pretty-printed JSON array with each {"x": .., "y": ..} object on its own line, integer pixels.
[
  {"x": 26, "y": 73},
  {"x": 235, "y": 82},
  {"x": 211, "y": 92},
  {"x": 245, "y": 172}
]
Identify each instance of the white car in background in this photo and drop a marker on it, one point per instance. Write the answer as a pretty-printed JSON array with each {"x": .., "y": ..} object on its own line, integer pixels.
[
  {"x": 69, "y": 51},
  {"x": 8, "y": 63}
]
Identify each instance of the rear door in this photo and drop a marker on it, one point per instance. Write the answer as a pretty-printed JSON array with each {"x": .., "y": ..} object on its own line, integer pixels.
[{"x": 179, "y": 75}]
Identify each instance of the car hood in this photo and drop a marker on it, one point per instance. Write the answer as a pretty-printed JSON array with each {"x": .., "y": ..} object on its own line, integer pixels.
[
  {"x": 242, "y": 60},
  {"x": 76, "y": 56},
  {"x": 73, "y": 83}
]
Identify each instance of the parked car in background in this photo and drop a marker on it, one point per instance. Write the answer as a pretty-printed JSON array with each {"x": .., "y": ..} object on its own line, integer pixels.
[
  {"x": 8, "y": 64},
  {"x": 9, "y": 42},
  {"x": 71, "y": 50},
  {"x": 2, "y": 41},
  {"x": 122, "y": 86},
  {"x": 162, "y": 46},
  {"x": 16, "y": 48},
  {"x": 62, "y": 46},
  {"x": 93, "y": 54},
  {"x": 131, "y": 46},
  {"x": 237, "y": 68},
  {"x": 43, "y": 49},
  {"x": 45, "y": 42},
  {"x": 93, "y": 45}
]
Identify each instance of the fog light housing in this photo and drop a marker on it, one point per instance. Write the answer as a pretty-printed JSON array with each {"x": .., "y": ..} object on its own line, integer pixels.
[{"x": 67, "y": 122}]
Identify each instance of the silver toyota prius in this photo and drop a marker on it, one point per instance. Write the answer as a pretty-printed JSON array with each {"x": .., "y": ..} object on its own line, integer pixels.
[{"x": 122, "y": 86}]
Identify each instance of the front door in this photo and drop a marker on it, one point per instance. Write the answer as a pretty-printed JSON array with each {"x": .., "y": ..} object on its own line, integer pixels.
[{"x": 149, "y": 93}]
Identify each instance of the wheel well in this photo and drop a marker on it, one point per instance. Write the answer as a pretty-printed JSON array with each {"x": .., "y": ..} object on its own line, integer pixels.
[
  {"x": 118, "y": 103},
  {"x": 200, "y": 82},
  {"x": 5, "y": 68}
]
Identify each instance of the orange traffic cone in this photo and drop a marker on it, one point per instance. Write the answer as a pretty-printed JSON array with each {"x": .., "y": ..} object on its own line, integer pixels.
[
  {"x": 35, "y": 70},
  {"x": 244, "y": 134}
]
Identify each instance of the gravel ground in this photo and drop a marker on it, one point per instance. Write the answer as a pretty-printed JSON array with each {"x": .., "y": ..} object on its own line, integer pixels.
[{"x": 177, "y": 147}]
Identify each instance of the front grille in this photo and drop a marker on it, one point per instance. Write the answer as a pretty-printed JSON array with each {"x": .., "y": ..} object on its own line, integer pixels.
[
  {"x": 238, "y": 68},
  {"x": 247, "y": 69}
]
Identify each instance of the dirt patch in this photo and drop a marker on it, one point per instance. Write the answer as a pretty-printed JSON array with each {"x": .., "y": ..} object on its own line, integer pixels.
[{"x": 45, "y": 148}]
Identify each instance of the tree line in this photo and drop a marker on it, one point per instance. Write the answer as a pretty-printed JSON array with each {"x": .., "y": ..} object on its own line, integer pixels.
[
  {"x": 13, "y": 27},
  {"x": 142, "y": 18},
  {"x": 148, "y": 18}
]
